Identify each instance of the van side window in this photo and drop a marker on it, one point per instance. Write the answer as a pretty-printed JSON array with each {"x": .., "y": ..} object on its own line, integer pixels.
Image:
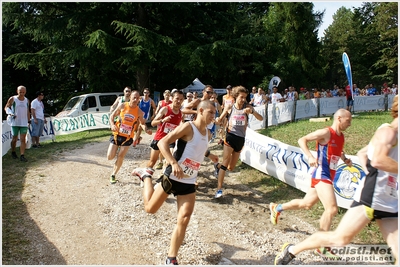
[
  {"x": 92, "y": 101},
  {"x": 107, "y": 100}
]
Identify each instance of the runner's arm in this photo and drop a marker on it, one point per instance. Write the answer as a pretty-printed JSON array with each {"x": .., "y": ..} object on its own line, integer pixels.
[
  {"x": 383, "y": 140},
  {"x": 113, "y": 115},
  {"x": 115, "y": 105},
  {"x": 183, "y": 131},
  {"x": 321, "y": 136},
  {"x": 159, "y": 117}
]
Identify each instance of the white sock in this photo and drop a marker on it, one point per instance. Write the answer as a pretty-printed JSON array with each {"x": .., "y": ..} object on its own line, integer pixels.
[{"x": 291, "y": 250}]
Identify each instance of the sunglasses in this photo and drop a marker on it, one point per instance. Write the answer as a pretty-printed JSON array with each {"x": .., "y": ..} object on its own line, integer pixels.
[
  {"x": 146, "y": 93},
  {"x": 209, "y": 92},
  {"x": 128, "y": 91}
]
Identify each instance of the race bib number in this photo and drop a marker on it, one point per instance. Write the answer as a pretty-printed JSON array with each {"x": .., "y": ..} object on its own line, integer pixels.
[
  {"x": 190, "y": 167},
  {"x": 239, "y": 120},
  {"x": 125, "y": 129},
  {"x": 334, "y": 162},
  {"x": 169, "y": 127},
  {"x": 391, "y": 187}
]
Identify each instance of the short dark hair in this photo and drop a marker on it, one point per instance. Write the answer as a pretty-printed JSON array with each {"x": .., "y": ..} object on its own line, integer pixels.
[{"x": 38, "y": 93}]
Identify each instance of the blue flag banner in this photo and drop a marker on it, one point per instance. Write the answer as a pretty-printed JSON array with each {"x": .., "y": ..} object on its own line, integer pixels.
[{"x": 347, "y": 68}]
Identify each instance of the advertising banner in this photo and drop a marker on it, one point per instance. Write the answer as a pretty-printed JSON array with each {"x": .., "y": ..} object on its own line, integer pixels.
[{"x": 289, "y": 164}]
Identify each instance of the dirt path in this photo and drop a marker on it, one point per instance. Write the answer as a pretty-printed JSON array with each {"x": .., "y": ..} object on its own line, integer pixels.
[{"x": 77, "y": 217}]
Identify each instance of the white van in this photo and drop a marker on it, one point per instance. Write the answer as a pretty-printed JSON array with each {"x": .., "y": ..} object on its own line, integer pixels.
[{"x": 89, "y": 103}]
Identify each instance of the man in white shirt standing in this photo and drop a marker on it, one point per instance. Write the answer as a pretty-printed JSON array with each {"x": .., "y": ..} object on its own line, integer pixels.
[
  {"x": 275, "y": 96},
  {"x": 37, "y": 119},
  {"x": 18, "y": 107}
]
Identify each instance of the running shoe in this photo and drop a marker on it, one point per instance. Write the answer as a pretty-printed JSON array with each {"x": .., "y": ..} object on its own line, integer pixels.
[
  {"x": 274, "y": 214},
  {"x": 143, "y": 173},
  {"x": 14, "y": 155},
  {"x": 325, "y": 252},
  {"x": 112, "y": 179},
  {"x": 285, "y": 256},
  {"x": 218, "y": 194},
  {"x": 22, "y": 158},
  {"x": 216, "y": 170},
  {"x": 159, "y": 166},
  {"x": 171, "y": 262}
]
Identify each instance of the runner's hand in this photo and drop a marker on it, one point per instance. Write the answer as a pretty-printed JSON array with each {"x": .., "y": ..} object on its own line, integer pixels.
[{"x": 177, "y": 170}]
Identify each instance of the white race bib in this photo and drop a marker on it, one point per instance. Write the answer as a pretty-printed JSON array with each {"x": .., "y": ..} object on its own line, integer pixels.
[
  {"x": 190, "y": 167},
  {"x": 239, "y": 120},
  {"x": 169, "y": 127},
  {"x": 125, "y": 129},
  {"x": 334, "y": 162}
]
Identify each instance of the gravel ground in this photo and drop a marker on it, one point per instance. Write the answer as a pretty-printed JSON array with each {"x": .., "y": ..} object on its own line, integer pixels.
[{"x": 78, "y": 218}]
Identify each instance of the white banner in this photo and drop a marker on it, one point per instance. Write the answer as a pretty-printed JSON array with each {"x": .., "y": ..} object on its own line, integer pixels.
[
  {"x": 253, "y": 122},
  {"x": 329, "y": 105},
  {"x": 362, "y": 103},
  {"x": 306, "y": 108},
  {"x": 280, "y": 112},
  {"x": 290, "y": 165},
  {"x": 390, "y": 101},
  {"x": 7, "y": 137},
  {"x": 89, "y": 121}
]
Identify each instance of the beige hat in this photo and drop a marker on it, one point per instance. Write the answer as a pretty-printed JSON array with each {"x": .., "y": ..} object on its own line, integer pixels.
[
  {"x": 167, "y": 92},
  {"x": 189, "y": 94}
]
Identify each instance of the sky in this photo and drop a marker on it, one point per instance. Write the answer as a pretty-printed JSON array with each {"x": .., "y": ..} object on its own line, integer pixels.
[{"x": 330, "y": 9}]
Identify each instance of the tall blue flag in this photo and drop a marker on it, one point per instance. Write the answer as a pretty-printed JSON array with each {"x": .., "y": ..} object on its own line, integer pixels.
[{"x": 347, "y": 68}]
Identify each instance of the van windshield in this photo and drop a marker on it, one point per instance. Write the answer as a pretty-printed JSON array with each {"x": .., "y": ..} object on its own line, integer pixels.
[{"x": 72, "y": 103}]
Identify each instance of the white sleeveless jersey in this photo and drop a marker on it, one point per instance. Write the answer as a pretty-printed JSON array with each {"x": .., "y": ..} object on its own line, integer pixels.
[
  {"x": 379, "y": 190},
  {"x": 20, "y": 110},
  {"x": 190, "y": 155}
]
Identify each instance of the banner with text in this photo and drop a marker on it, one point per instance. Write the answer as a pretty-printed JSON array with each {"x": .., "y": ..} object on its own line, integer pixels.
[
  {"x": 289, "y": 164},
  {"x": 306, "y": 108},
  {"x": 362, "y": 103},
  {"x": 85, "y": 122}
]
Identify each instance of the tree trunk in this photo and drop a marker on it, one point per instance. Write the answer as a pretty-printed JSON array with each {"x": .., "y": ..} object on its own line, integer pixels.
[{"x": 142, "y": 76}]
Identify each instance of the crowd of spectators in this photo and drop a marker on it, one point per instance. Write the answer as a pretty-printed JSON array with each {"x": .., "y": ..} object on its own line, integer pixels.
[{"x": 259, "y": 96}]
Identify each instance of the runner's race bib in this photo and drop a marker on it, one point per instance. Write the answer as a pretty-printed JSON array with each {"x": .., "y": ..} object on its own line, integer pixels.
[
  {"x": 169, "y": 127},
  {"x": 334, "y": 162},
  {"x": 239, "y": 120},
  {"x": 125, "y": 129},
  {"x": 391, "y": 187},
  {"x": 190, "y": 167}
]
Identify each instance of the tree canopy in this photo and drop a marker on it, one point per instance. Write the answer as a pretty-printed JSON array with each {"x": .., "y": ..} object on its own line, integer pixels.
[{"x": 68, "y": 48}]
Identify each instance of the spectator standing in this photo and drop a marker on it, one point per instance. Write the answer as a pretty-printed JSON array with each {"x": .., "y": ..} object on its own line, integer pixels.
[
  {"x": 253, "y": 92},
  {"x": 292, "y": 94},
  {"x": 356, "y": 90},
  {"x": 302, "y": 95},
  {"x": 349, "y": 97},
  {"x": 371, "y": 90},
  {"x": 394, "y": 89},
  {"x": 317, "y": 94},
  {"x": 18, "y": 107},
  {"x": 260, "y": 98},
  {"x": 38, "y": 120},
  {"x": 275, "y": 96}
]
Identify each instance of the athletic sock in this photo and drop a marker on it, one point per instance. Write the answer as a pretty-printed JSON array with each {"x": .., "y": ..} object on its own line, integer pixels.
[{"x": 279, "y": 208}]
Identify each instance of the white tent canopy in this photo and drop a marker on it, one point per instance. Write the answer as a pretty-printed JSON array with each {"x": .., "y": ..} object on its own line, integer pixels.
[{"x": 198, "y": 86}]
